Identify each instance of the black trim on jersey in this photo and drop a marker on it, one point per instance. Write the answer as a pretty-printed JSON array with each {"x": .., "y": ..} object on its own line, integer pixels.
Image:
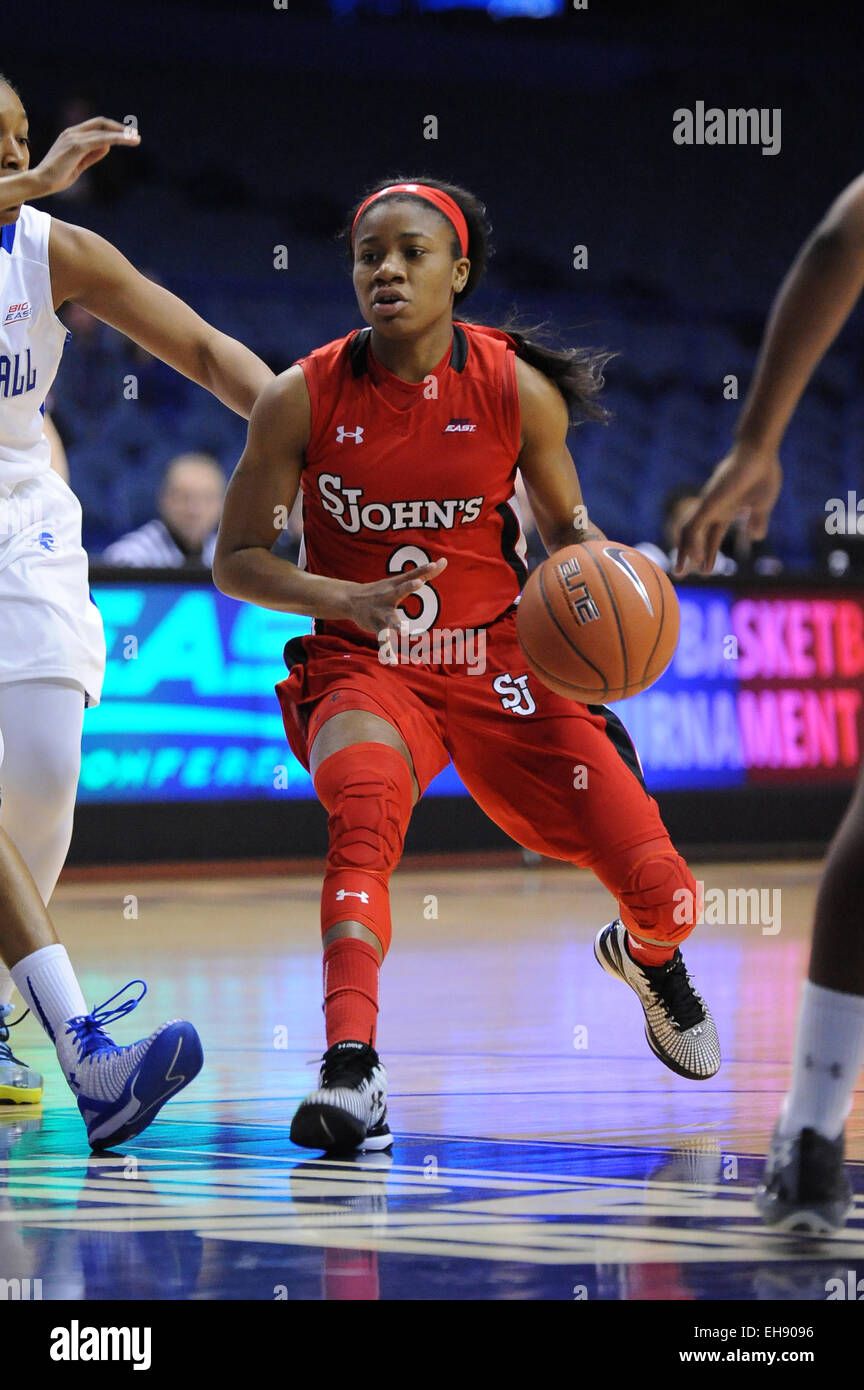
[
  {"x": 294, "y": 652},
  {"x": 509, "y": 537},
  {"x": 358, "y": 348},
  {"x": 357, "y": 351},
  {"x": 621, "y": 740},
  {"x": 459, "y": 355}
]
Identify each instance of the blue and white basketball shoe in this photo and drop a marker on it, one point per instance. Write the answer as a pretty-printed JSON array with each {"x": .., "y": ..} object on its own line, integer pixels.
[{"x": 120, "y": 1090}]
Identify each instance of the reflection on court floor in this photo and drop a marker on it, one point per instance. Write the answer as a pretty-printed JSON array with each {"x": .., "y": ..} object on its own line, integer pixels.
[
  {"x": 237, "y": 1212},
  {"x": 541, "y": 1150}
]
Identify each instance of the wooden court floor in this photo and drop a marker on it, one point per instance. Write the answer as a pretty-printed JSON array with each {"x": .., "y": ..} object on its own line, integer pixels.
[{"x": 534, "y": 1128}]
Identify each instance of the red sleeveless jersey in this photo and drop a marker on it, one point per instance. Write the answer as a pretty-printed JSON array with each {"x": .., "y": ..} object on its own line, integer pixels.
[{"x": 397, "y": 474}]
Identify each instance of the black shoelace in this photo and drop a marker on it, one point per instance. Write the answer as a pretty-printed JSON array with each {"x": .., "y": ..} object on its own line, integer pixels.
[
  {"x": 347, "y": 1067},
  {"x": 672, "y": 983}
]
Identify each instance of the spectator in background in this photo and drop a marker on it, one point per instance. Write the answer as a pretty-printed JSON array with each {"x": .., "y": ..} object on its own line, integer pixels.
[
  {"x": 184, "y": 533},
  {"x": 737, "y": 554},
  {"x": 838, "y": 544}
]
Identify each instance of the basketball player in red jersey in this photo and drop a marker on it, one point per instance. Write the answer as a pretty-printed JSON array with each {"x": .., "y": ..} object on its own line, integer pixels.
[
  {"x": 405, "y": 438},
  {"x": 805, "y": 1187}
]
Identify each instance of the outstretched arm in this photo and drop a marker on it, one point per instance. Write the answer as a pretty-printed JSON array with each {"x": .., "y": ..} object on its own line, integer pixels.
[
  {"x": 89, "y": 270},
  {"x": 814, "y": 302},
  {"x": 546, "y": 465}
]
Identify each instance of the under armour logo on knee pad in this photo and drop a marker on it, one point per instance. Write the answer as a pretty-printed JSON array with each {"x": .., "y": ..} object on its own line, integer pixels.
[{"x": 344, "y": 893}]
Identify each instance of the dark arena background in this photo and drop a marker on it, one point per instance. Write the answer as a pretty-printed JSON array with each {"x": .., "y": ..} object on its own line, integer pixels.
[{"x": 541, "y": 1151}]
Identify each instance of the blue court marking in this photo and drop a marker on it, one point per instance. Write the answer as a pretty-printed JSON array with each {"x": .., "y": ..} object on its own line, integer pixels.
[{"x": 210, "y": 1210}]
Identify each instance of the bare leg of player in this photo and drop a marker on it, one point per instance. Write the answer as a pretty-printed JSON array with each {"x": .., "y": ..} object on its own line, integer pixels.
[
  {"x": 40, "y": 758},
  {"x": 117, "y": 1101},
  {"x": 805, "y": 1187}
]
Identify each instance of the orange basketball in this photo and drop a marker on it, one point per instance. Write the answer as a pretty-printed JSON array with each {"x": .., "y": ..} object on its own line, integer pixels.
[{"x": 598, "y": 622}]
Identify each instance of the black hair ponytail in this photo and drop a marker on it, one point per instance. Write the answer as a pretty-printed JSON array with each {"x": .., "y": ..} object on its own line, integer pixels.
[{"x": 576, "y": 371}]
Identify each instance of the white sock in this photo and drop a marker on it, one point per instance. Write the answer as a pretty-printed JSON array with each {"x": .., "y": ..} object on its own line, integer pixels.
[
  {"x": 829, "y": 1055},
  {"x": 50, "y": 988},
  {"x": 7, "y": 985}
]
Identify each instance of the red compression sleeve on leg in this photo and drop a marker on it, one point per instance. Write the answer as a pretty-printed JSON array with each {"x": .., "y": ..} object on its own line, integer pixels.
[
  {"x": 368, "y": 791},
  {"x": 351, "y": 971}
]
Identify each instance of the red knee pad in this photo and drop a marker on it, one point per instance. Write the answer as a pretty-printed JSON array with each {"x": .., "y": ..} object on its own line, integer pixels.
[
  {"x": 367, "y": 789},
  {"x": 659, "y": 901}
]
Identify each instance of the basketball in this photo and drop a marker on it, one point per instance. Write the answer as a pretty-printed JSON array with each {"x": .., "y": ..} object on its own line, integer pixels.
[{"x": 598, "y": 622}]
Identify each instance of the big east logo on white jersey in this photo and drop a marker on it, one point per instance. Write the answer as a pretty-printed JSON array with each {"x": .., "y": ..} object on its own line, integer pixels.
[
  {"x": 514, "y": 692},
  {"x": 18, "y": 311}
]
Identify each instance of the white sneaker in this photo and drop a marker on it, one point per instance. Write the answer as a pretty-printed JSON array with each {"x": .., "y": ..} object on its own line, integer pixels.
[
  {"x": 678, "y": 1022},
  {"x": 349, "y": 1109}
]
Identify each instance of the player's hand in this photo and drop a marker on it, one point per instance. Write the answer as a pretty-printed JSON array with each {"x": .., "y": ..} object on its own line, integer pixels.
[
  {"x": 374, "y": 607},
  {"x": 77, "y": 148},
  {"x": 746, "y": 484}
]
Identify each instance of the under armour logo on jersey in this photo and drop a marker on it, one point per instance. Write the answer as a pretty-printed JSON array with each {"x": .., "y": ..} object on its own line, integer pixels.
[
  {"x": 342, "y": 434},
  {"x": 514, "y": 692},
  {"x": 18, "y": 311},
  {"x": 349, "y": 893},
  {"x": 458, "y": 426},
  {"x": 47, "y": 540},
  {"x": 618, "y": 557}
]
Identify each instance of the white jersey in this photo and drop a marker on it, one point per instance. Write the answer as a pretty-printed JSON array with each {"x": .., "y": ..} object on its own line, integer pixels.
[
  {"x": 50, "y": 628},
  {"x": 31, "y": 344}
]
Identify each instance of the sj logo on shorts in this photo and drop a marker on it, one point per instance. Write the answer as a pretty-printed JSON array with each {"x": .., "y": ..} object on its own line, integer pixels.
[{"x": 514, "y": 692}]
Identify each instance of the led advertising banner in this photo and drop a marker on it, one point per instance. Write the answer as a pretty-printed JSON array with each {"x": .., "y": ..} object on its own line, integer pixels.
[
  {"x": 765, "y": 687},
  {"x": 188, "y": 710}
]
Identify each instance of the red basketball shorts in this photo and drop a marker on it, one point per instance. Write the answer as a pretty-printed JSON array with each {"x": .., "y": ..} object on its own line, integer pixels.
[{"x": 558, "y": 777}]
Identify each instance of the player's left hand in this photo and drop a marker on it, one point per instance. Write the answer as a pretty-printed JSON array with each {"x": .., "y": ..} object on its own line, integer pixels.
[{"x": 745, "y": 484}]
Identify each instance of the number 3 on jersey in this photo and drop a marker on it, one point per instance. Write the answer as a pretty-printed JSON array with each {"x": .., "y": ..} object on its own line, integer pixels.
[{"x": 430, "y": 604}]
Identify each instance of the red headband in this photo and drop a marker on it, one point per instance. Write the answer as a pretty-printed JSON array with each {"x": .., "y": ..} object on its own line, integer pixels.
[{"x": 442, "y": 201}]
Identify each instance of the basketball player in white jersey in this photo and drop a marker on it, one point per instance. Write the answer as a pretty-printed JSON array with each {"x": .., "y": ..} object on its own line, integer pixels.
[
  {"x": 805, "y": 1187},
  {"x": 52, "y": 646}
]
